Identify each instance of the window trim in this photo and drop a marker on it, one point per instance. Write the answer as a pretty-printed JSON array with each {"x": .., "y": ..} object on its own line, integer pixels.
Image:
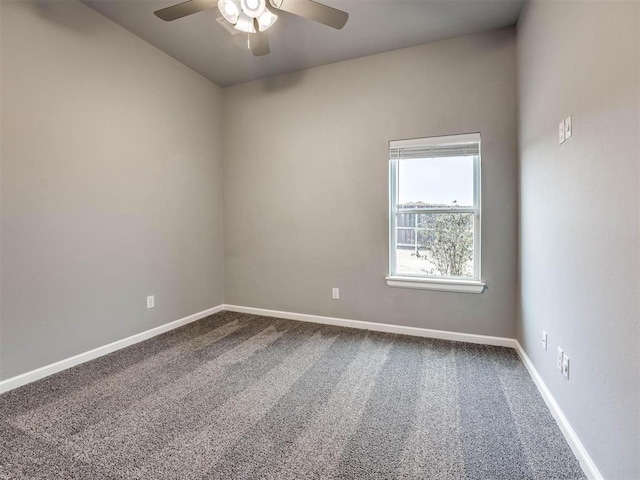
[{"x": 432, "y": 282}]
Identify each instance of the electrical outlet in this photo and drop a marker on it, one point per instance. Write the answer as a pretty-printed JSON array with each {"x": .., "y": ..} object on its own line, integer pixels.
[
  {"x": 567, "y": 128},
  {"x": 544, "y": 340},
  {"x": 559, "y": 358},
  {"x": 151, "y": 302},
  {"x": 335, "y": 293},
  {"x": 565, "y": 366},
  {"x": 561, "y": 132}
]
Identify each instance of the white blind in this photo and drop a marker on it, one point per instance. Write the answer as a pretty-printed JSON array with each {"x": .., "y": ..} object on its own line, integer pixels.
[{"x": 436, "y": 147}]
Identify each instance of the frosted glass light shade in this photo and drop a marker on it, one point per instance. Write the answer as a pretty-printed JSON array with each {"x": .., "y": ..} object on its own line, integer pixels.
[
  {"x": 253, "y": 8},
  {"x": 266, "y": 20},
  {"x": 245, "y": 23},
  {"x": 230, "y": 10}
]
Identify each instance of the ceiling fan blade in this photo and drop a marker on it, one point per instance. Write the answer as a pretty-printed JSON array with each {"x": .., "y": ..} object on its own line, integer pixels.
[
  {"x": 314, "y": 11},
  {"x": 258, "y": 41},
  {"x": 185, "y": 8}
]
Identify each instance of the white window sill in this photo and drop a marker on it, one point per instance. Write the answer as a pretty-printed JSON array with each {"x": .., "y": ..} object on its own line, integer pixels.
[{"x": 443, "y": 285}]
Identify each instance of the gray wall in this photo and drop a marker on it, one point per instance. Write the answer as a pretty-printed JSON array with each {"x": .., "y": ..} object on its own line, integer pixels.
[
  {"x": 579, "y": 217},
  {"x": 111, "y": 185},
  {"x": 306, "y": 182}
]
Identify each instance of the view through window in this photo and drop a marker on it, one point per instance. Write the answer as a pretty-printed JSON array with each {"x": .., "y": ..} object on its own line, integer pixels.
[{"x": 435, "y": 207}]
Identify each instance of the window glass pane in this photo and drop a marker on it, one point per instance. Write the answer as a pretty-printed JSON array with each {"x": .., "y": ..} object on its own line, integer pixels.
[
  {"x": 435, "y": 182},
  {"x": 435, "y": 244}
]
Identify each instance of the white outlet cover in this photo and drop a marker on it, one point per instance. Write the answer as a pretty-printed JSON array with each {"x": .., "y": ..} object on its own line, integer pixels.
[
  {"x": 567, "y": 127},
  {"x": 151, "y": 301},
  {"x": 544, "y": 340},
  {"x": 561, "y": 132},
  {"x": 335, "y": 293},
  {"x": 559, "y": 358},
  {"x": 565, "y": 366}
]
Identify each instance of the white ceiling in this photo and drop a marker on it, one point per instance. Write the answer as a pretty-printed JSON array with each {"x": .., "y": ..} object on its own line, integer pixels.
[{"x": 374, "y": 26}]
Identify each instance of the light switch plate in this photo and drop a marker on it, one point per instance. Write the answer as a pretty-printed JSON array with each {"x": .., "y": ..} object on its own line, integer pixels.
[
  {"x": 567, "y": 128},
  {"x": 561, "y": 132},
  {"x": 565, "y": 366}
]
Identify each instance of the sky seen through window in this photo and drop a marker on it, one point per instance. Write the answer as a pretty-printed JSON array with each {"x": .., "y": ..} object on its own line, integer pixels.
[{"x": 436, "y": 181}]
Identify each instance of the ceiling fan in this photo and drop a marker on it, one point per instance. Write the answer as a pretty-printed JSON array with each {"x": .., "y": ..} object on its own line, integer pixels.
[{"x": 256, "y": 16}]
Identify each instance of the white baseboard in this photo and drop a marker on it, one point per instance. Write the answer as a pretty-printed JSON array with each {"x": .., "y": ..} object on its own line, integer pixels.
[
  {"x": 56, "y": 367},
  {"x": 586, "y": 462},
  {"x": 378, "y": 327}
]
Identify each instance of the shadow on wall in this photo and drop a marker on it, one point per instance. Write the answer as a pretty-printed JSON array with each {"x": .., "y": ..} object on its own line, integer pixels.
[
  {"x": 59, "y": 13},
  {"x": 282, "y": 82},
  {"x": 493, "y": 43}
]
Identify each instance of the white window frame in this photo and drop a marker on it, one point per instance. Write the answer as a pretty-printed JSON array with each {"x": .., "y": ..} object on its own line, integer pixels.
[{"x": 432, "y": 282}]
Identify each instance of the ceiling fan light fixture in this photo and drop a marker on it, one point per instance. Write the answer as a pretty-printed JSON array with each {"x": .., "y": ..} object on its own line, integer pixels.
[
  {"x": 241, "y": 14},
  {"x": 256, "y": 16}
]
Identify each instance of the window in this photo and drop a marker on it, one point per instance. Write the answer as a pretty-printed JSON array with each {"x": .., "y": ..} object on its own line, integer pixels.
[{"x": 434, "y": 190}]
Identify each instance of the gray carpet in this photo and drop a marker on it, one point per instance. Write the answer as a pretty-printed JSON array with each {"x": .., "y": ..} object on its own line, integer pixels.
[{"x": 238, "y": 396}]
